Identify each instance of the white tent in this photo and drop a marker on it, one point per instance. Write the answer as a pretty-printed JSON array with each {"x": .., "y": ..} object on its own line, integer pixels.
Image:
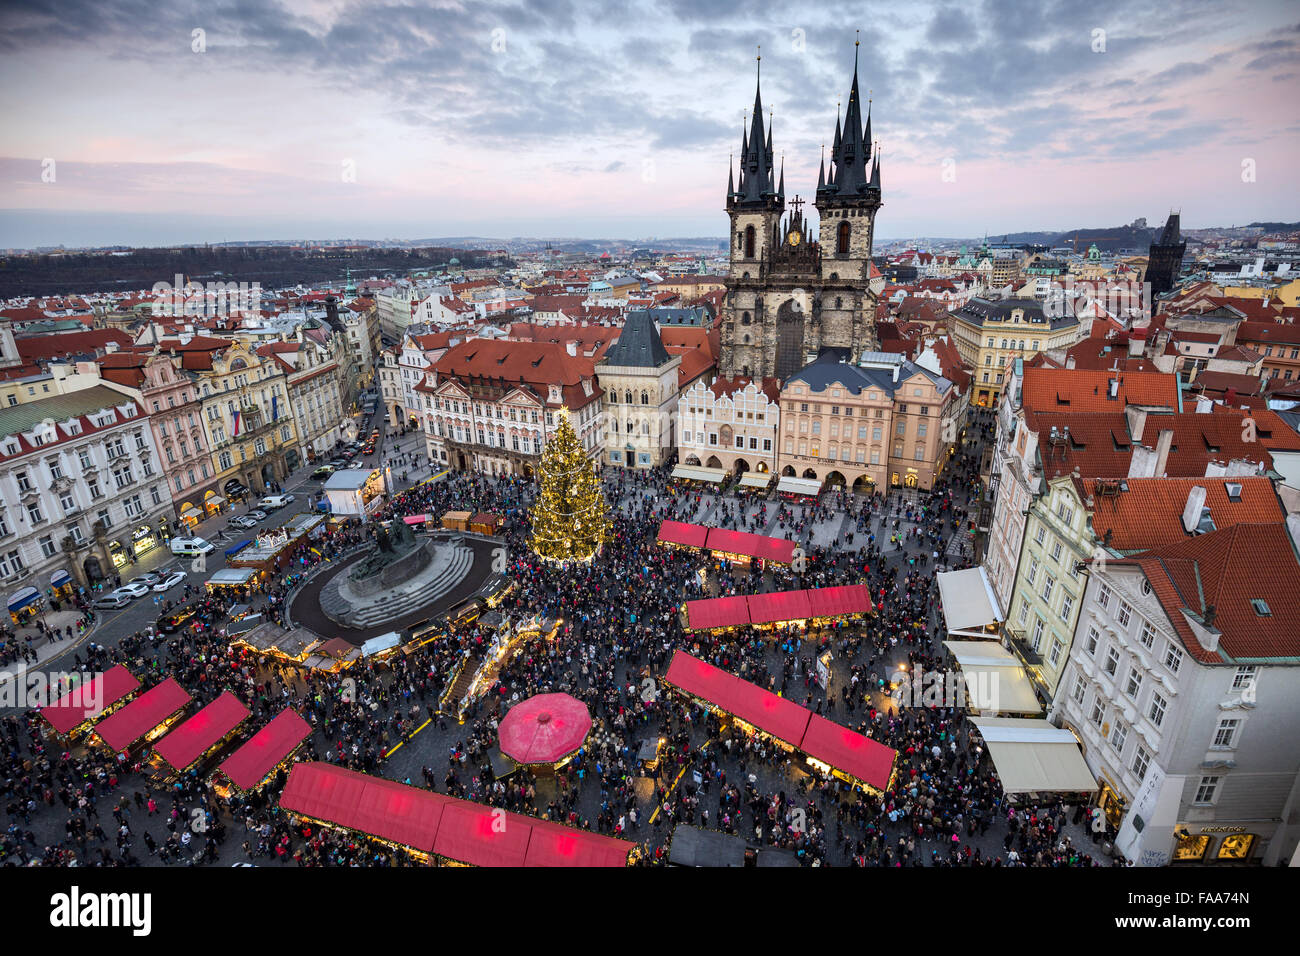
[
  {"x": 789, "y": 485},
  {"x": 1032, "y": 756},
  {"x": 756, "y": 479},
  {"x": 694, "y": 473},
  {"x": 996, "y": 683},
  {"x": 969, "y": 604}
]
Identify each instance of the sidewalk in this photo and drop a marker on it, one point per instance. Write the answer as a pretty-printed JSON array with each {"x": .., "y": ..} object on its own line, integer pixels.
[{"x": 45, "y": 648}]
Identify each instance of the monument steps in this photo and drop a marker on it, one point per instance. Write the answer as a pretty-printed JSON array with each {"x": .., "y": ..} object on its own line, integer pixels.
[{"x": 403, "y": 598}]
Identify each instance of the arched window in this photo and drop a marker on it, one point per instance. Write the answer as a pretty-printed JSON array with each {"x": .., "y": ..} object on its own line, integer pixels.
[
  {"x": 744, "y": 318},
  {"x": 842, "y": 239},
  {"x": 613, "y": 398},
  {"x": 645, "y": 398},
  {"x": 839, "y": 302},
  {"x": 627, "y": 398},
  {"x": 749, "y": 242}
]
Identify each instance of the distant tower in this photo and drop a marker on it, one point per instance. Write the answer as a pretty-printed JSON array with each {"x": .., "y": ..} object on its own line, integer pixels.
[{"x": 1165, "y": 260}]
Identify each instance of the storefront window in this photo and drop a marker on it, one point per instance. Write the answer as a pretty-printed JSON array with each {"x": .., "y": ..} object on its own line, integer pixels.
[
  {"x": 1236, "y": 847},
  {"x": 1112, "y": 804},
  {"x": 1191, "y": 849}
]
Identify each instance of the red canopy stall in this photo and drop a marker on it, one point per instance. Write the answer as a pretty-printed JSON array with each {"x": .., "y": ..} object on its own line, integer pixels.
[
  {"x": 94, "y": 699},
  {"x": 849, "y": 754},
  {"x": 184, "y": 746},
  {"x": 746, "y": 545},
  {"x": 249, "y": 766},
  {"x": 839, "y": 601},
  {"x": 682, "y": 534},
  {"x": 777, "y": 607},
  {"x": 770, "y": 713},
  {"x": 710, "y": 613},
  {"x": 148, "y": 715}
]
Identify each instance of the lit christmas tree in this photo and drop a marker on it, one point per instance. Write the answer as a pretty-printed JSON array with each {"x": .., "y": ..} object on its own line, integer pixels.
[{"x": 570, "y": 517}]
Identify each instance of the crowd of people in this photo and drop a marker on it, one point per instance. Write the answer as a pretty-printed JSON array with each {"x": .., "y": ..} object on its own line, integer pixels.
[{"x": 618, "y": 620}]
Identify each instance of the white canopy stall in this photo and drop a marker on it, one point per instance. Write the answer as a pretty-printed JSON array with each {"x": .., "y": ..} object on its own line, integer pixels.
[
  {"x": 1032, "y": 756},
  {"x": 969, "y": 604},
  {"x": 996, "y": 683}
]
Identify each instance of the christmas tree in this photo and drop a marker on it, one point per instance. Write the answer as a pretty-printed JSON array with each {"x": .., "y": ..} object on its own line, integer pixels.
[{"x": 570, "y": 519}]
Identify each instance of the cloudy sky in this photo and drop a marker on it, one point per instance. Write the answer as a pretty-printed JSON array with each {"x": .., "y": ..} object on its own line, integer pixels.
[{"x": 139, "y": 122}]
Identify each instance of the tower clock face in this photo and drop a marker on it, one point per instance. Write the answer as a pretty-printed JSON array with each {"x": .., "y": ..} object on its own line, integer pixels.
[{"x": 794, "y": 237}]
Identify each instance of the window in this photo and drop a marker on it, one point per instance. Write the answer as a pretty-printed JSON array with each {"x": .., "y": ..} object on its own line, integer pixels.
[
  {"x": 1112, "y": 661},
  {"x": 1124, "y": 614},
  {"x": 1134, "y": 685},
  {"x": 47, "y": 546},
  {"x": 1058, "y": 648},
  {"x": 11, "y": 563},
  {"x": 1103, "y": 596},
  {"x": 1226, "y": 734},
  {"x": 1173, "y": 657},
  {"x": 1098, "y": 715},
  {"x": 1033, "y": 571},
  {"x": 1206, "y": 790},
  {"x": 1041, "y": 536},
  {"x": 1056, "y": 551},
  {"x": 224, "y": 461},
  {"x": 1038, "y": 633},
  {"x": 1024, "y": 611},
  {"x": 1067, "y": 605},
  {"x": 1118, "y": 737},
  {"x": 34, "y": 512},
  {"x": 1148, "y": 636},
  {"x": 1080, "y": 690},
  {"x": 1141, "y": 760},
  {"x": 1157, "y": 709},
  {"x": 1090, "y": 645},
  {"x": 1048, "y": 584},
  {"x": 1245, "y": 677}
]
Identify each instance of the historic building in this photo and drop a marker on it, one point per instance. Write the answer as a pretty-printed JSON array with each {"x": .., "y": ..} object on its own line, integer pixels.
[
  {"x": 730, "y": 424},
  {"x": 638, "y": 379},
  {"x": 791, "y": 295},
  {"x": 1165, "y": 261}
]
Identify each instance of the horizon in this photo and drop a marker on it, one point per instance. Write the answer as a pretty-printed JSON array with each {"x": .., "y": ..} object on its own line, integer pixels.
[{"x": 383, "y": 121}]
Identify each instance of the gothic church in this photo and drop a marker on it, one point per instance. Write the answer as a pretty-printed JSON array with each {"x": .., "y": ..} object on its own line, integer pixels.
[{"x": 791, "y": 296}]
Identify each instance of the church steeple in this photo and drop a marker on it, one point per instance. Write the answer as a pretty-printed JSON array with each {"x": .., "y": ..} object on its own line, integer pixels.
[
  {"x": 850, "y": 157},
  {"x": 757, "y": 185}
]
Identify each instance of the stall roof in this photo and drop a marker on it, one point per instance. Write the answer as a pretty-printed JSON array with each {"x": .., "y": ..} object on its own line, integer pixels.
[
  {"x": 995, "y": 679},
  {"x": 850, "y": 752},
  {"x": 233, "y": 576},
  {"x": 554, "y": 845},
  {"x": 481, "y": 836},
  {"x": 756, "y": 479},
  {"x": 679, "y": 532},
  {"x": 799, "y": 486},
  {"x": 124, "y": 727},
  {"x": 695, "y": 473},
  {"x": 843, "y": 599},
  {"x": 779, "y": 606},
  {"x": 1032, "y": 756},
  {"x": 104, "y": 690},
  {"x": 782, "y": 718},
  {"x": 709, "y": 613},
  {"x": 968, "y": 600},
  {"x": 188, "y": 742},
  {"x": 753, "y": 545},
  {"x": 392, "y": 811},
  {"x": 381, "y": 643},
  {"x": 249, "y": 765}
]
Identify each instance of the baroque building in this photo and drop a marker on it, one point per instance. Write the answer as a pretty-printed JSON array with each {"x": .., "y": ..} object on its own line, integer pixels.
[{"x": 790, "y": 294}]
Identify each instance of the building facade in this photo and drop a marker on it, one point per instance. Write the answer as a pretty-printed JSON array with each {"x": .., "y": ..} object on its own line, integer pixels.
[
  {"x": 732, "y": 423},
  {"x": 638, "y": 382},
  {"x": 991, "y": 334}
]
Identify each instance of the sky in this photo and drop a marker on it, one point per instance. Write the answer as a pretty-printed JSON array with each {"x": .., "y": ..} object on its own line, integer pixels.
[{"x": 139, "y": 123}]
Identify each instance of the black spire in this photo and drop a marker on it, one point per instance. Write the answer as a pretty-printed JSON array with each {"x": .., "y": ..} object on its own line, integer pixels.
[
  {"x": 1173, "y": 231},
  {"x": 851, "y": 157},
  {"x": 756, "y": 179},
  {"x": 821, "y": 170}
]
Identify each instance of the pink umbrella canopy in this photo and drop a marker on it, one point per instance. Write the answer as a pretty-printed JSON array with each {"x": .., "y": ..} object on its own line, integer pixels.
[{"x": 544, "y": 729}]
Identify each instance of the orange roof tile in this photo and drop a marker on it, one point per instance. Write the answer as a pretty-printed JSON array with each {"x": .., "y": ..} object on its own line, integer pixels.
[{"x": 1148, "y": 513}]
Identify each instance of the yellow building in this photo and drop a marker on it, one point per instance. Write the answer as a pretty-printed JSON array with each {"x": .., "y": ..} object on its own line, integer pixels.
[
  {"x": 989, "y": 334},
  {"x": 1288, "y": 293}
]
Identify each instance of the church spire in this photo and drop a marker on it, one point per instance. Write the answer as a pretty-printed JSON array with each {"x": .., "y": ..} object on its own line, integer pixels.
[
  {"x": 821, "y": 170},
  {"x": 757, "y": 183},
  {"x": 731, "y": 181},
  {"x": 851, "y": 166},
  {"x": 780, "y": 192}
]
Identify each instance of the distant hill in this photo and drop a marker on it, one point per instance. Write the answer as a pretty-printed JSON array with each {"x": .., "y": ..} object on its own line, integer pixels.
[{"x": 1107, "y": 239}]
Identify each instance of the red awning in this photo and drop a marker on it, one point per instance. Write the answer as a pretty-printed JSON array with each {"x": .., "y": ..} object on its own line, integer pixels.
[
  {"x": 188, "y": 742},
  {"x": 128, "y": 725},
  {"x": 103, "y": 691},
  {"x": 849, "y": 752},
  {"x": 383, "y": 808},
  {"x": 544, "y": 729},
  {"x": 717, "y": 612},
  {"x": 752, "y": 545},
  {"x": 846, "y": 599},
  {"x": 555, "y": 845},
  {"x": 770, "y": 713},
  {"x": 416, "y": 519},
  {"x": 480, "y": 836},
  {"x": 679, "y": 532},
  {"x": 779, "y": 606},
  {"x": 251, "y": 763}
]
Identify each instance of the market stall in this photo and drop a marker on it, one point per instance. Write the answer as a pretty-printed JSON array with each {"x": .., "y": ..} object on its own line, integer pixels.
[
  {"x": 486, "y": 522},
  {"x": 682, "y": 535},
  {"x": 258, "y": 758},
  {"x": 970, "y": 606},
  {"x": 710, "y": 614},
  {"x": 199, "y": 737},
  {"x": 74, "y": 712},
  {"x": 743, "y": 547},
  {"x": 231, "y": 578},
  {"x": 798, "y": 488},
  {"x": 145, "y": 719},
  {"x": 709, "y": 476},
  {"x": 456, "y": 520},
  {"x": 996, "y": 682}
]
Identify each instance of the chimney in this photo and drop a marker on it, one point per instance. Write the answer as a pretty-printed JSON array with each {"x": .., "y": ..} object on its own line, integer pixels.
[
  {"x": 1241, "y": 468},
  {"x": 1192, "y": 510},
  {"x": 1164, "y": 442},
  {"x": 1142, "y": 464},
  {"x": 1069, "y": 361},
  {"x": 571, "y": 347},
  {"x": 1204, "y": 404},
  {"x": 1137, "y": 419},
  {"x": 1216, "y": 469},
  {"x": 1134, "y": 346}
]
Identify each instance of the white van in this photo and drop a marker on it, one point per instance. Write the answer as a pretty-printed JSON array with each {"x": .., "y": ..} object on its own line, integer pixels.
[
  {"x": 273, "y": 502},
  {"x": 189, "y": 547}
]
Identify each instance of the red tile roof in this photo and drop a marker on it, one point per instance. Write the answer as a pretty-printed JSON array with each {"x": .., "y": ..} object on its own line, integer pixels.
[
  {"x": 1149, "y": 513},
  {"x": 1227, "y": 570},
  {"x": 1080, "y": 390},
  {"x": 66, "y": 344}
]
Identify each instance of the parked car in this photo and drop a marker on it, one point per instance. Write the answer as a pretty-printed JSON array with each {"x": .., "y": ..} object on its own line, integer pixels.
[
  {"x": 170, "y": 581},
  {"x": 187, "y": 547},
  {"x": 257, "y": 514},
  {"x": 111, "y": 600},
  {"x": 133, "y": 589},
  {"x": 149, "y": 577},
  {"x": 242, "y": 521},
  {"x": 323, "y": 472}
]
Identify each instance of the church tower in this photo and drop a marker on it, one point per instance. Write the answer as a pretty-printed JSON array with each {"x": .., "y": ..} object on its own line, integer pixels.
[{"x": 1165, "y": 259}]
